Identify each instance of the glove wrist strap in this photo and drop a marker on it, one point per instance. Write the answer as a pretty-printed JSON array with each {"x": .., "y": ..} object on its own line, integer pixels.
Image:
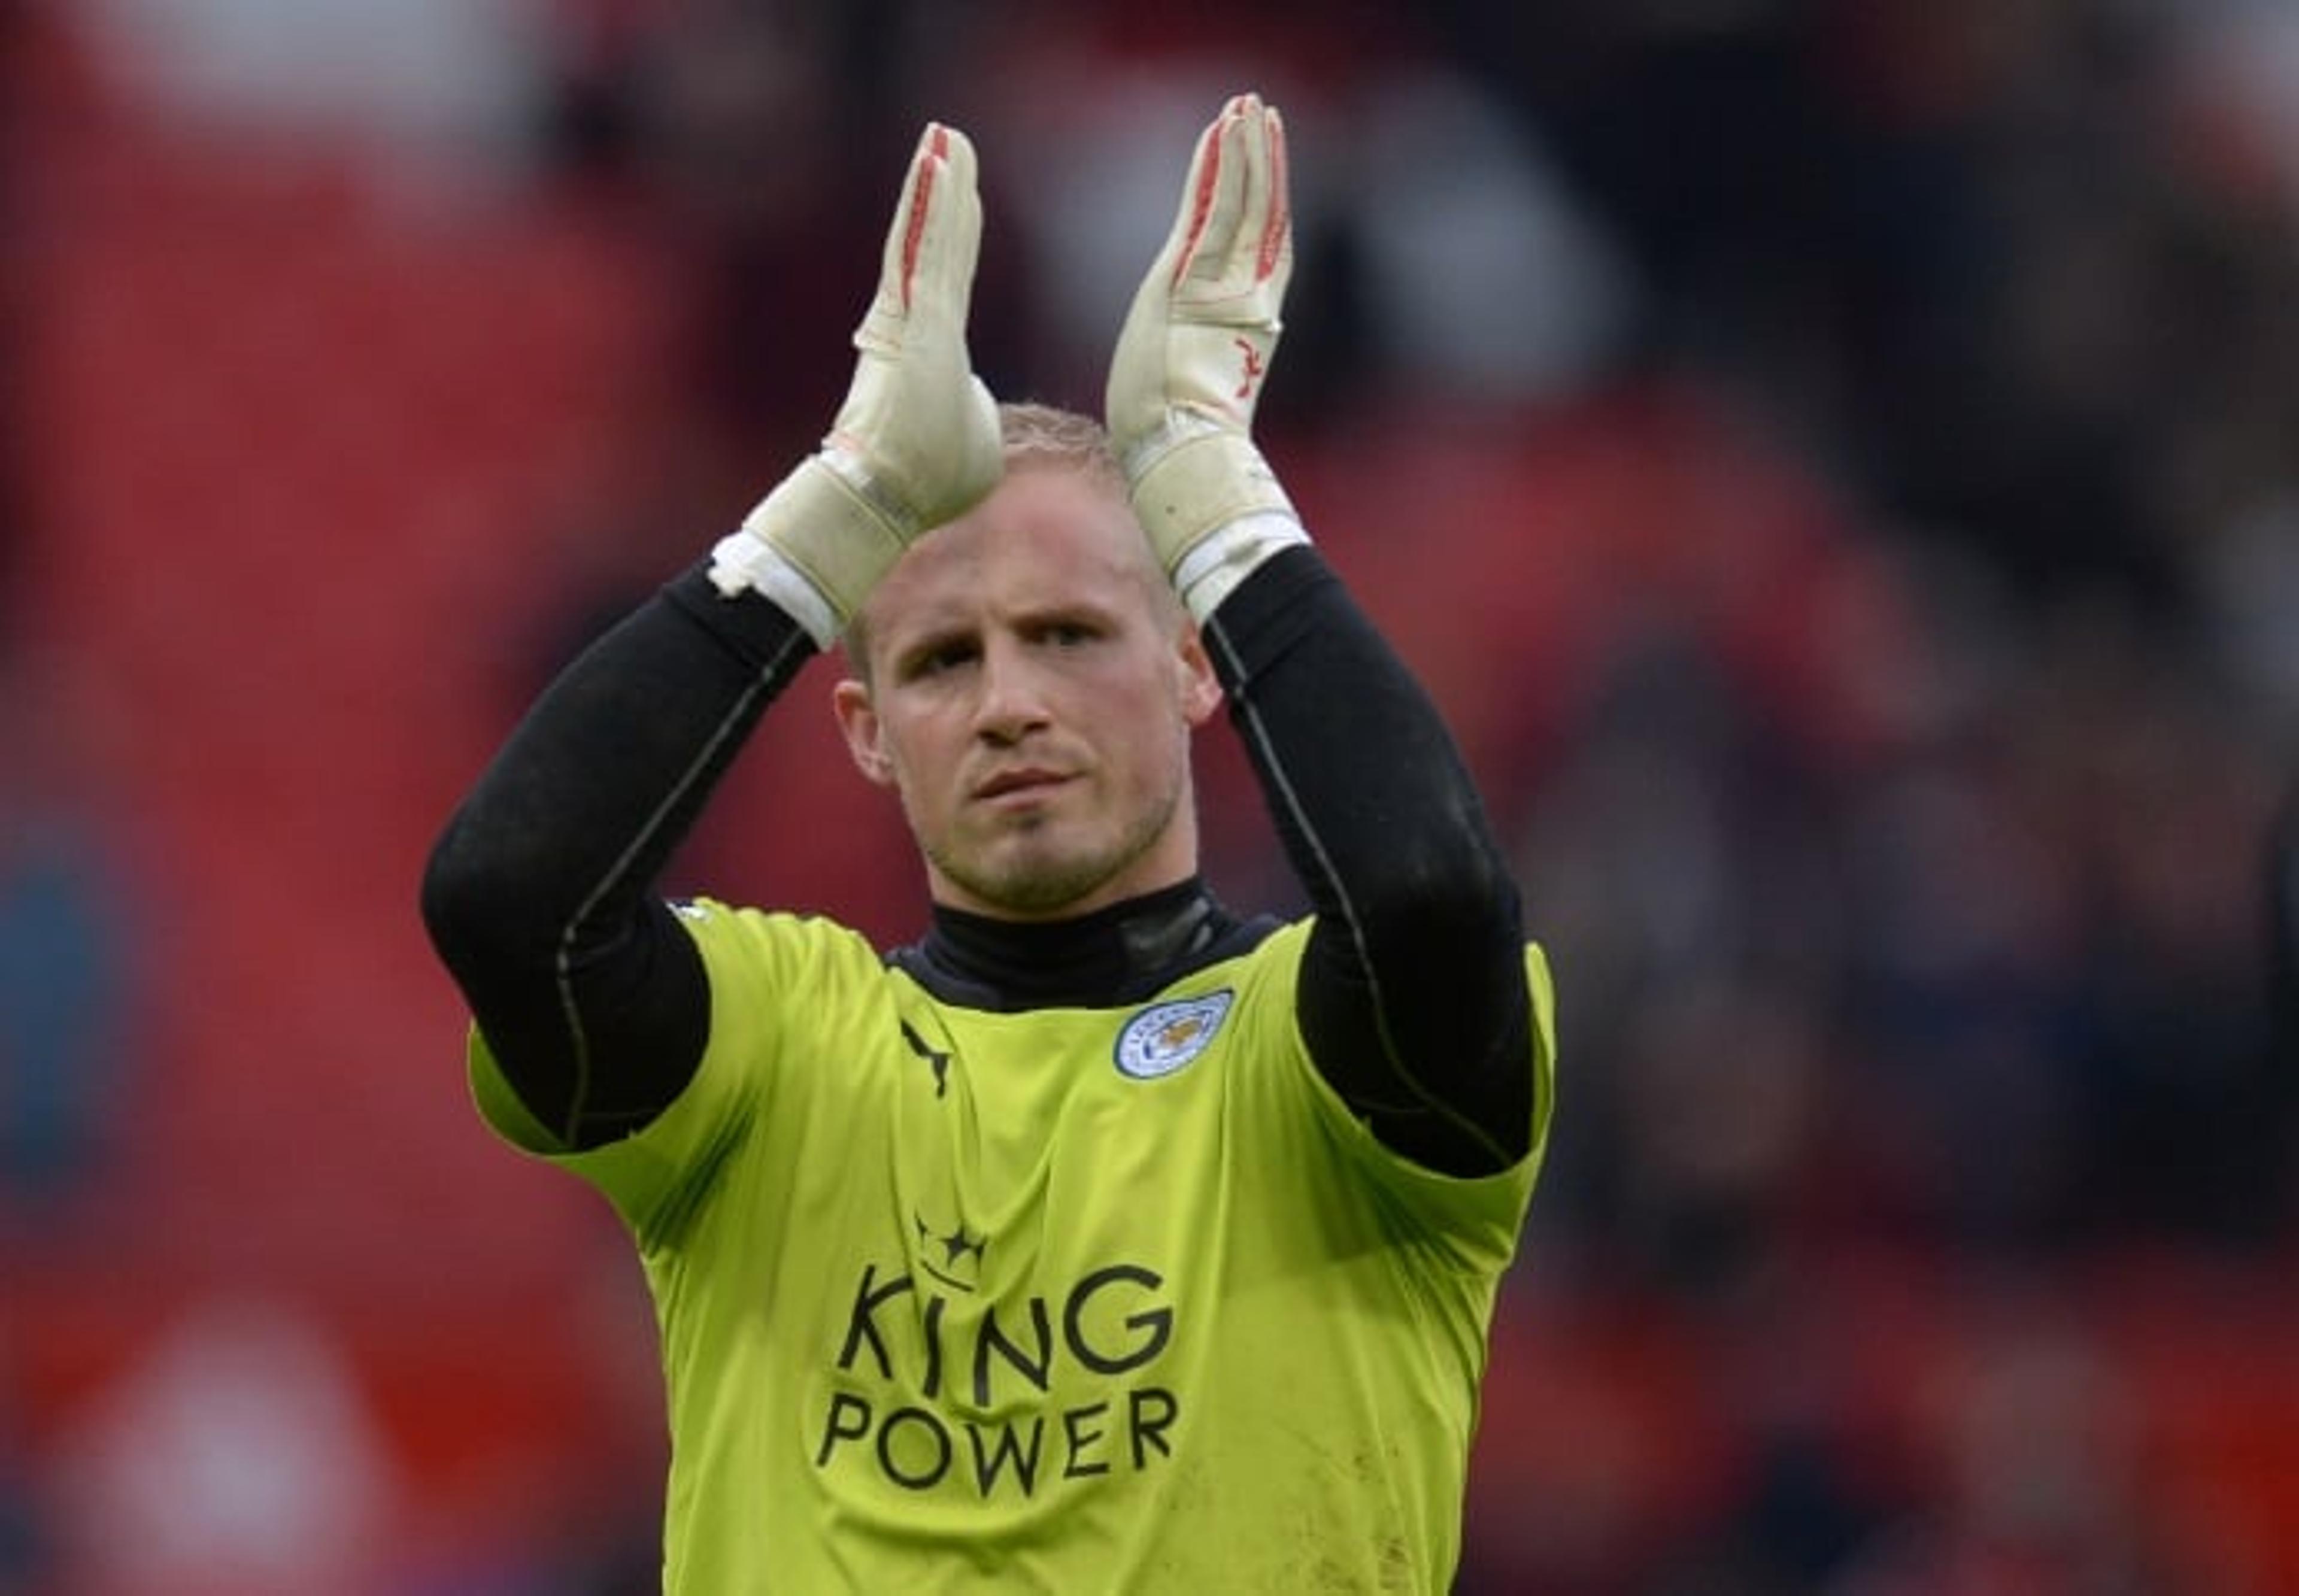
[
  {"x": 1221, "y": 560},
  {"x": 744, "y": 562},
  {"x": 816, "y": 544},
  {"x": 1212, "y": 507}
]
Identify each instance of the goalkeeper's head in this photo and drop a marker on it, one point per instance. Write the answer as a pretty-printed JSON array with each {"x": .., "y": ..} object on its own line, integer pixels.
[
  {"x": 1030, "y": 436},
  {"x": 1026, "y": 681}
]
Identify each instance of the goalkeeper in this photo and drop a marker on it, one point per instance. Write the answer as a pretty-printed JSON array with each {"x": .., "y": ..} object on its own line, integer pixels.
[{"x": 1102, "y": 1239}]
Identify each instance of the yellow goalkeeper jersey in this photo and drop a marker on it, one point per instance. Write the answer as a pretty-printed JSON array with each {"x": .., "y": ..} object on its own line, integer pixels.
[{"x": 1073, "y": 1300}]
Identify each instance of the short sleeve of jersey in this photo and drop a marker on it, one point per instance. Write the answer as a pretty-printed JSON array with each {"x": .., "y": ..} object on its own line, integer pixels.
[
  {"x": 1475, "y": 1220},
  {"x": 762, "y": 968}
]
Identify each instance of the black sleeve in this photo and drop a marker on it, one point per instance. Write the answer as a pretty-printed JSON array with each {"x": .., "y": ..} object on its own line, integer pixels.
[
  {"x": 537, "y": 893},
  {"x": 1413, "y": 999}
]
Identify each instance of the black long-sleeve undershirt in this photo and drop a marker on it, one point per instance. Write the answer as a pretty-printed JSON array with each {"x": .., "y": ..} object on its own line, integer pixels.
[
  {"x": 539, "y": 894},
  {"x": 1413, "y": 999}
]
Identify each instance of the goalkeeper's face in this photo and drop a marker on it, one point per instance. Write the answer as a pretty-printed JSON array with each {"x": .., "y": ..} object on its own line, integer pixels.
[{"x": 1032, "y": 684}]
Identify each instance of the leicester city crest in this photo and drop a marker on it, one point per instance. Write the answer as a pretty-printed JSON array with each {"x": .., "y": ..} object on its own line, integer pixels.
[{"x": 1165, "y": 1036}]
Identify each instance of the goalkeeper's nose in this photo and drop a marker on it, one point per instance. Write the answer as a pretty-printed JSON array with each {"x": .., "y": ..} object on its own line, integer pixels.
[{"x": 1013, "y": 694}]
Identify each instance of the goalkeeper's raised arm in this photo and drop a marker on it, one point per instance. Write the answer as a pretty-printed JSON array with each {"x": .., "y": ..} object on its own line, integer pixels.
[
  {"x": 1413, "y": 994},
  {"x": 538, "y": 896}
]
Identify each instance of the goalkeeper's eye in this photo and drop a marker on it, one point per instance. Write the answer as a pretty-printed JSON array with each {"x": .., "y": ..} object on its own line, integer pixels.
[
  {"x": 937, "y": 659},
  {"x": 1067, "y": 629}
]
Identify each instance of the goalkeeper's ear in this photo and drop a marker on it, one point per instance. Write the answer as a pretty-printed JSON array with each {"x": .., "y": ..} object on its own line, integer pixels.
[
  {"x": 1200, "y": 690},
  {"x": 859, "y": 723}
]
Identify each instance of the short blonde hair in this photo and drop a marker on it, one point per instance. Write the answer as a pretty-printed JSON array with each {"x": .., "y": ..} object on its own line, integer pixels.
[
  {"x": 1047, "y": 433},
  {"x": 1029, "y": 434}
]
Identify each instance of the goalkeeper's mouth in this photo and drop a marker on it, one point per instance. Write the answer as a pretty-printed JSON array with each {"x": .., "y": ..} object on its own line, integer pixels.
[{"x": 1020, "y": 786}]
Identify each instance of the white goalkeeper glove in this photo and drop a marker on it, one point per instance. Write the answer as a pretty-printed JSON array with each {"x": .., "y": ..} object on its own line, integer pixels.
[
  {"x": 916, "y": 443},
  {"x": 1193, "y": 357}
]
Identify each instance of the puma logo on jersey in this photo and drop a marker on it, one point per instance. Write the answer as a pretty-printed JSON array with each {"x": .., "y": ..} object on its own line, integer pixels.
[
  {"x": 1166, "y": 1037},
  {"x": 939, "y": 1062}
]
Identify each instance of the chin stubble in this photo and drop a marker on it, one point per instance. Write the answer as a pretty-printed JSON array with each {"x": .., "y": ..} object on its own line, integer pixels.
[{"x": 1041, "y": 886}]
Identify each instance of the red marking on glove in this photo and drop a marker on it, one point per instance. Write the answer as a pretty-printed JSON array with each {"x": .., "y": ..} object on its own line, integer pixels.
[
  {"x": 1280, "y": 208},
  {"x": 914, "y": 228},
  {"x": 1250, "y": 370},
  {"x": 1201, "y": 203}
]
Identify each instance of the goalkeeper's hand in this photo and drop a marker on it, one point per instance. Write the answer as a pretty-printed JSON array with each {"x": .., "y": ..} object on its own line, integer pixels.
[
  {"x": 1193, "y": 358},
  {"x": 916, "y": 443}
]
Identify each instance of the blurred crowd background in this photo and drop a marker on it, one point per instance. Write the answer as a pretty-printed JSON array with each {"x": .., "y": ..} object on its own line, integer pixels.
[{"x": 1836, "y": 461}]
